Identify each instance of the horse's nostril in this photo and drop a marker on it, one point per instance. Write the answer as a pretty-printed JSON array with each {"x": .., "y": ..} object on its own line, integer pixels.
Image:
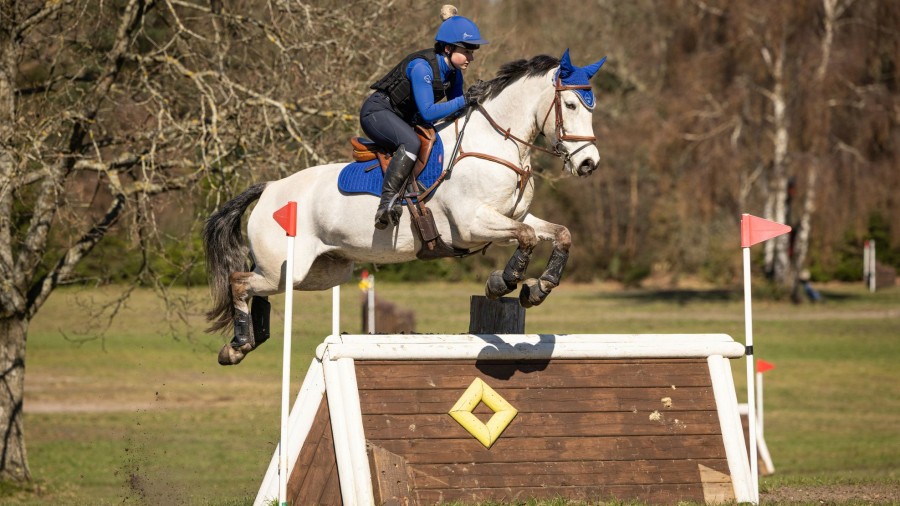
[{"x": 586, "y": 167}]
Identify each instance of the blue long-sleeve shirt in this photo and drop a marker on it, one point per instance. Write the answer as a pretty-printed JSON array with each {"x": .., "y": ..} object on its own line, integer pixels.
[{"x": 420, "y": 76}]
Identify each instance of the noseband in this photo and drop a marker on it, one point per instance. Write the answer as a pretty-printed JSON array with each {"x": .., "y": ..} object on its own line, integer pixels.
[{"x": 557, "y": 151}]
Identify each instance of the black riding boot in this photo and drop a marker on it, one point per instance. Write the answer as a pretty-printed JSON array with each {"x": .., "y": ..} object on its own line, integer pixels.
[{"x": 397, "y": 172}]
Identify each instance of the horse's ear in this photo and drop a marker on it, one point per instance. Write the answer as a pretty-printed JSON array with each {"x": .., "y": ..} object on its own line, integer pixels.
[
  {"x": 594, "y": 67},
  {"x": 565, "y": 65}
]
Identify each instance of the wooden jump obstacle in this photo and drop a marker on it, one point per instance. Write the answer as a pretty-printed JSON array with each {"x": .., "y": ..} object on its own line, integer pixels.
[{"x": 582, "y": 416}]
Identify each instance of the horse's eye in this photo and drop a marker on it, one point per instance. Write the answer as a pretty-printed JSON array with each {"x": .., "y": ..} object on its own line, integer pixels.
[{"x": 570, "y": 105}]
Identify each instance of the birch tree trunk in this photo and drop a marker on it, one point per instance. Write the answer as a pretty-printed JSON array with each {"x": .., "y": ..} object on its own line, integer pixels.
[
  {"x": 777, "y": 259},
  {"x": 833, "y": 10}
]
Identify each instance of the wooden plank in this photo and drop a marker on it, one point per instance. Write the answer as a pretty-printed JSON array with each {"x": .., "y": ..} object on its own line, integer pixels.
[
  {"x": 597, "y": 374},
  {"x": 657, "y": 494},
  {"x": 308, "y": 452},
  {"x": 331, "y": 491},
  {"x": 567, "y": 474},
  {"x": 548, "y": 400},
  {"x": 441, "y": 426},
  {"x": 316, "y": 463},
  {"x": 515, "y": 450},
  {"x": 390, "y": 476},
  {"x": 717, "y": 486},
  {"x": 501, "y": 316}
]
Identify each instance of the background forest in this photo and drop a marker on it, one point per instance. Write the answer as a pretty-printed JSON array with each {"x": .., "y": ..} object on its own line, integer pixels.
[{"x": 125, "y": 123}]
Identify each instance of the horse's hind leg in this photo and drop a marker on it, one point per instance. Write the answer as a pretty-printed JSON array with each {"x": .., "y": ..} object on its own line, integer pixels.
[
  {"x": 534, "y": 291},
  {"x": 251, "y": 326}
]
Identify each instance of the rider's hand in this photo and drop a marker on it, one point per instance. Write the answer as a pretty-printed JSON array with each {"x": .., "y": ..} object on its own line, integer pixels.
[{"x": 475, "y": 93}]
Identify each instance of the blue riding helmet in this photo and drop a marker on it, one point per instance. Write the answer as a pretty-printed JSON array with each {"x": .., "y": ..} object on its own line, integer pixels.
[{"x": 459, "y": 30}]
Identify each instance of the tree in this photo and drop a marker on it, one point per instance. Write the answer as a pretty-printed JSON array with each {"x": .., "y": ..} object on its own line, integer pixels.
[{"x": 125, "y": 111}]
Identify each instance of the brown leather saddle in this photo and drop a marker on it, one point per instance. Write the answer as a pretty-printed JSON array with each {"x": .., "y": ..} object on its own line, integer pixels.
[
  {"x": 365, "y": 150},
  {"x": 433, "y": 246}
]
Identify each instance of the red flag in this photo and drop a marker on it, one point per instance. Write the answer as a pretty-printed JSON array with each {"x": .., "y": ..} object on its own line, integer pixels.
[
  {"x": 287, "y": 218},
  {"x": 755, "y": 230},
  {"x": 763, "y": 366}
]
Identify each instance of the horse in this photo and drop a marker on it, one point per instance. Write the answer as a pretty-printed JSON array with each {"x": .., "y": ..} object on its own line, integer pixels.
[{"x": 484, "y": 200}]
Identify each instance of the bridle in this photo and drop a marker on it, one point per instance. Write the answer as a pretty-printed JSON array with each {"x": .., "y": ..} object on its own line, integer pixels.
[
  {"x": 560, "y": 131},
  {"x": 561, "y": 135}
]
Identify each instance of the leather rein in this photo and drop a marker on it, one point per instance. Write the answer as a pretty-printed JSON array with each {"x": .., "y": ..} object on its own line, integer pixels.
[{"x": 557, "y": 151}]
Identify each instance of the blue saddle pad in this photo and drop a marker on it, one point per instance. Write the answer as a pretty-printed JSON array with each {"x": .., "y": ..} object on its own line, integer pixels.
[{"x": 357, "y": 177}]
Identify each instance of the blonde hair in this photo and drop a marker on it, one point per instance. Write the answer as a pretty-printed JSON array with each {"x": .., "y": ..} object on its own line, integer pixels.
[{"x": 448, "y": 11}]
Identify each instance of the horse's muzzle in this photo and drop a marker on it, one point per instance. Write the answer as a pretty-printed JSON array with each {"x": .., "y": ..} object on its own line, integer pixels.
[{"x": 586, "y": 168}]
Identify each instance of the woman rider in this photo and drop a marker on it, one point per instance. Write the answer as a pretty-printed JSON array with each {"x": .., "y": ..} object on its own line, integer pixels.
[{"x": 409, "y": 94}]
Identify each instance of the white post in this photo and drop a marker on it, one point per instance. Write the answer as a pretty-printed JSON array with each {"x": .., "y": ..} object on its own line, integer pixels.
[
  {"x": 286, "y": 372},
  {"x": 336, "y": 311},
  {"x": 371, "y": 304},
  {"x": 873, "y": 270},
  {"x": 751, "y": 367},
  {"x": 866, "y": 270},
  {"x": 759, "y": 402}
]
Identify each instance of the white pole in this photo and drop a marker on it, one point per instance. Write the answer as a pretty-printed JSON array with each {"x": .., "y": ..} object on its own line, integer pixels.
[
  {"x": 759, "y": 402},
  {"x": 336, "y": 311},
  {"x": 866, "y": 270},
  {"x": 751, "y": 367},
  {"x": 286, "y": 372},
  {"x": 873, "y": 270},
  {"x": 371, "y": 304}
]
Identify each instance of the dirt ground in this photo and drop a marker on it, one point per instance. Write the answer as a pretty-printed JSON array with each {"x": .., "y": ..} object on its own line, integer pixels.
[{"x": 872, "y": 493}]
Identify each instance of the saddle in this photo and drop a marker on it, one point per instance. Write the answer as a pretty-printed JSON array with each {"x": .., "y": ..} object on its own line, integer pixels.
[
  {"x": 365, "y": 150},
  {"x": 433, "y": 246}
]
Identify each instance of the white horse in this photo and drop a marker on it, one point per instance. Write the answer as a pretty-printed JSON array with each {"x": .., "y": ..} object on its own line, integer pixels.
[{"x": 484, "y": 200}]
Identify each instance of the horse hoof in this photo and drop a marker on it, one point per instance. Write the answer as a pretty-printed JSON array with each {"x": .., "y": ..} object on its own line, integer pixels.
[
  {"x": 531, "y": 294},
  {"x": 496, "y": 286},
  {"x": 233, "y": 356}
]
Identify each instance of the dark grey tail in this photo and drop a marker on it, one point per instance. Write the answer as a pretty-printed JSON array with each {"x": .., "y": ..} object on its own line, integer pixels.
[{"x": 226, "y": 253}]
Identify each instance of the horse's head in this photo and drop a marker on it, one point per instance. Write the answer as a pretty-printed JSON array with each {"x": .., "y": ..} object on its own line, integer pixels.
[{"x": 572, "y": 131}]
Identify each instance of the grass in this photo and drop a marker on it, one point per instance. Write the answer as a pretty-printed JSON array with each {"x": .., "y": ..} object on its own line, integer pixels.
[{"x": 143, "y": 414}]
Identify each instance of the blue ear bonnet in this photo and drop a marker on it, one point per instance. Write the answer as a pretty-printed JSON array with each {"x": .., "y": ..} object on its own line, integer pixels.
[{"x": 571, "y": 75}]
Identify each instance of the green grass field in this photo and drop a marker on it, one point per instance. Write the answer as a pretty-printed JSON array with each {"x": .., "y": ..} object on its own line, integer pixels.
[{"x": 143, "y": 414}]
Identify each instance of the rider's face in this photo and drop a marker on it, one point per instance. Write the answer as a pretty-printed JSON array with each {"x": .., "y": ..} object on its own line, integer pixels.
[{"x": 460, "y": 57}]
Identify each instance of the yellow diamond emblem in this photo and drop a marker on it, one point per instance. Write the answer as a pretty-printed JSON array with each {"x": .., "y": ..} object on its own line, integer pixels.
[{"x": 486, "y": 433}]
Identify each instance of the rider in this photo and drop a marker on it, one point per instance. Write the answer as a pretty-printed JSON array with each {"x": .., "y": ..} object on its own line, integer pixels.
[{"x": 409, "y": 94}]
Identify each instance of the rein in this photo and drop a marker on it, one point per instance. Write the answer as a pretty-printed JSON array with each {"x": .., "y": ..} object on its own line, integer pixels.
[{"x": 525, "y": 172}]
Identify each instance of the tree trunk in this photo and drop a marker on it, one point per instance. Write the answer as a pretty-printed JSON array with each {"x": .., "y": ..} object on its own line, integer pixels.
[
  {"x": 801, "y": 244},
  {"x": 777, "y": 259},
  {"x": 14, "y": 461}
]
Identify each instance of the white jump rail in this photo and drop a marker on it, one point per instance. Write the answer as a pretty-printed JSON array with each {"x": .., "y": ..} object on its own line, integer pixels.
[{"x": 333, "y": 371}]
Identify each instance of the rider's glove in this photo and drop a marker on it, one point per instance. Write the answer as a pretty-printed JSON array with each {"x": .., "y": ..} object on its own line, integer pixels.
[{"x": 475, "y": 93}]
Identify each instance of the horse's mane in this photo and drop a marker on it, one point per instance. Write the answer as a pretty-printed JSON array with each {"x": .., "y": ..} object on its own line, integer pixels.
[{"x": 518, "y": 69}]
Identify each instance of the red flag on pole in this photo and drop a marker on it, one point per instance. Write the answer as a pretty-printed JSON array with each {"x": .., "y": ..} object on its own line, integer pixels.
[
  {"x": 287, "y": 218},
  {"x": 755, "y": 230},
  {"x": 763, "y": 366}
]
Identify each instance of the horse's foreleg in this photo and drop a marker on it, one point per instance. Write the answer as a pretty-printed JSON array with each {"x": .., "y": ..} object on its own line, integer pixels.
[
  {"x": 493, "y": 226},
  {"x": 534, "y": 291},
  {"x": 502, "y": 282}
]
